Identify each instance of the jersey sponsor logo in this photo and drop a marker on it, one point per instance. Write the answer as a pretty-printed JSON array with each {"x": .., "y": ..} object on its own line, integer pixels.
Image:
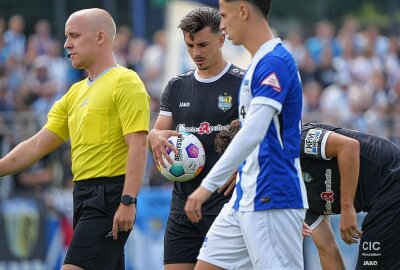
[
  {"x": 224, "y": 102},
  {"x": 203, "y": 128},
  {"x": 181, "y": 127},
  {"x": 272, "y": 80},
  {"x": 328, "y": 195},
  {"x": 371, "y": 246},
  {"x": 184, "y": 104},
  {"x": 370, "y": 249},
  {"x": 370, "y": 263},
  {"x": 311, "y": 142}
]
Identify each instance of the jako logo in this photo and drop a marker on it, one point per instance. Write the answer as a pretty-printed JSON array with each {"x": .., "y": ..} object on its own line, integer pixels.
[
  {"x": 370, "y": 263},
  {"x": 371, "y": 246},
  {"x": 184, "y": 104}
]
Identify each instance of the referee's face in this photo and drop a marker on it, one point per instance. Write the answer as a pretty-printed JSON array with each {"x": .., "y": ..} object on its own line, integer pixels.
[
  {"x": 81, "y": 42},
  {"x": 205, "y": 48}
]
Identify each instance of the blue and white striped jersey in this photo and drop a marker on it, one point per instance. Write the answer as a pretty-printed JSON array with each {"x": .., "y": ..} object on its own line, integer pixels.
[{"x": 270, "y": 177}]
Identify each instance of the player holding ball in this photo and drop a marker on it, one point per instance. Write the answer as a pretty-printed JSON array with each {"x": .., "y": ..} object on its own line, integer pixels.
[{"x": 201, "y": 101}]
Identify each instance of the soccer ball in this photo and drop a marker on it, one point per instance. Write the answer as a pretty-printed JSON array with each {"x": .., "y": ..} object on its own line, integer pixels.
[{"x": 190, "y": 159}]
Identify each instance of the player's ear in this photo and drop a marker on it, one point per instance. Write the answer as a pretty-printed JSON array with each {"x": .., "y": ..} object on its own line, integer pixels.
[
  {"x": 221, "y": 40},
  {"x": 244, "y": 11}
]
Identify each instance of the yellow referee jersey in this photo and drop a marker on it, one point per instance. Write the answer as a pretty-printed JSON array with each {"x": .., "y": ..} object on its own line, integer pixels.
[{"x": 96, "y": 116}]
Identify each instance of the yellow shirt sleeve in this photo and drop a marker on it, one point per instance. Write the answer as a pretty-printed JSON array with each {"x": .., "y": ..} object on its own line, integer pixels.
[
  {"x": 57, "y": 119},
  {"x": 133, "y": 103}
]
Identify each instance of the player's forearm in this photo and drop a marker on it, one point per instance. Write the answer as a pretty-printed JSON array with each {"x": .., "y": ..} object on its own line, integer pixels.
[{"x": 349, "y": 164}]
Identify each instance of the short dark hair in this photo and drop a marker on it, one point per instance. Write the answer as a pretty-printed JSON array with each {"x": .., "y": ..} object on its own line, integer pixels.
[
  {"x": 200, "y": 18},
  {"x": 263, "y": 5}
]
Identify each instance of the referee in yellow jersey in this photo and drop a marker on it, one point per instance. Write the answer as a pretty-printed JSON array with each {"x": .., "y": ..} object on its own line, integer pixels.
[{"x": 106, "y": 117}]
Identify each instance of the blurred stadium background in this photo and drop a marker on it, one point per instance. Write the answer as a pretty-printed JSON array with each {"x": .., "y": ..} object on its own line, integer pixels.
[{"x": 347, "y": 52}]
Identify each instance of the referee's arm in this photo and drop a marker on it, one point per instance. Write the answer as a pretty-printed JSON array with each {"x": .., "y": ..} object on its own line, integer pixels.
[
  {"x": 28, "y": 152},
  {"x": 125, "y": 215}
]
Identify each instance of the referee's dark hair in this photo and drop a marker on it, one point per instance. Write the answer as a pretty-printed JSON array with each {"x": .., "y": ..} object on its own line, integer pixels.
[
  {"x": 263, "y": 5},
  {"x": 200, "y": 18}
]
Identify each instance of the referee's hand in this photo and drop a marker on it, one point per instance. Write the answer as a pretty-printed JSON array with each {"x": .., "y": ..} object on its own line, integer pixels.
[
  {"x": 124, "y": 219},
  {"x": 194, "y": 203}
]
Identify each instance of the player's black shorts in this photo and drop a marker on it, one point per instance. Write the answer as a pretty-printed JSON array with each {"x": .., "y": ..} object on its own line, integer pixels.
[
  {"x": 311, "y": 217},
  {"x": 183, "y": 239},
  {"x": 95, "y": 203},
  {"x": 380, "y": 242}
]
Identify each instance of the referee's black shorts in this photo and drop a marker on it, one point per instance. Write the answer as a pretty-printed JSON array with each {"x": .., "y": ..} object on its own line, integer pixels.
[
  {"x": 183, "y": 239},
  {"x": 95, "y": 203}
]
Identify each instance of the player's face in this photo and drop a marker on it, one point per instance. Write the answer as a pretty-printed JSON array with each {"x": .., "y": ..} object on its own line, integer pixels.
[
  {"x": 230, "y": 13},
  {"x": 80, "y": 42},
  {"x": 205, "y": 48}
]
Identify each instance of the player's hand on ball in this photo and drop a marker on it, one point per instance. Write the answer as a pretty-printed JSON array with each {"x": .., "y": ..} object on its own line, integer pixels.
[
  {"x": 194, "y": 203},
  {"x": 159, "y": 143}
]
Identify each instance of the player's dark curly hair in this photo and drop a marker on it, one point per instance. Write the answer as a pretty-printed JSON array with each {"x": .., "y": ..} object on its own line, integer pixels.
[
  {"x": 263, "y": 5},
  {"x": 200, "y": 18},
  {"x": 225, "y": 136}
]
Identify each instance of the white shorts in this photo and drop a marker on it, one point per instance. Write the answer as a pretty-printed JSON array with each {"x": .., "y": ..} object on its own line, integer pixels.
[{"x": 269, "y": 239}]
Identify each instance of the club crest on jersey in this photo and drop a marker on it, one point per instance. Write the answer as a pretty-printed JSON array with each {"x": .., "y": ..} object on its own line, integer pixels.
[
  {"x": 272, "y": 80},
  {"x": 311, "y": 142},
  {"x": 307, "y": 177},
  {"x": 224, "y": 102}
]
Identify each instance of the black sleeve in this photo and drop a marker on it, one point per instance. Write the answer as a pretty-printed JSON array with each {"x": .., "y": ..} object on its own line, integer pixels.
[
  {"x": 313, "y": 140},
  {"x": 165, "y": 104}
]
